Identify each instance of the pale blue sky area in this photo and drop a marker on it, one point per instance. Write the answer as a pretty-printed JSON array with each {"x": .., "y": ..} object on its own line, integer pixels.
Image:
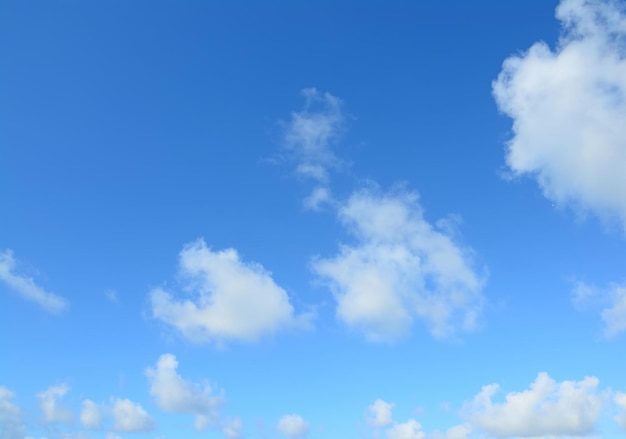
[{"x": 388, "y": 220}]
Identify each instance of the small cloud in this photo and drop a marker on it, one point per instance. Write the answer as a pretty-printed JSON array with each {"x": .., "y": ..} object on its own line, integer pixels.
[
  {"x": 27, "y": 288},
  {"x": 293, "y": 426},
  {"x": 10, "y": 416},
  {"x": 111, "y": 295},
  {"x": 234, "y": 299},
  {"x": 174, "y": 394},
  {"x": 50, "y": 408},
  {"x": 380, "y": 413},
  {"x": 130, "y": 417},
  {"x": 620, "y": 400},
  {"x": 614, "y": 316},
  {"x": 311, "y": 132}
]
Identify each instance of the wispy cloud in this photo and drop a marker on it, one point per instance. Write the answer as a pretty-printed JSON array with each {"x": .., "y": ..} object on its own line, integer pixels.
[
  {"x": 568, "y": 107},
  {"x": 400, "y": 268},
  {"x": 27, "y": 288},
  {"x": 10, "y": 416},
  {"x": 234, "y": 299},
  {"x": 311, "y": 133}
]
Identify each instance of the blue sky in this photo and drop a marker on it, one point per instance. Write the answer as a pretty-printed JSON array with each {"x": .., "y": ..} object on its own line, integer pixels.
[{"x": 312, "y": 219}]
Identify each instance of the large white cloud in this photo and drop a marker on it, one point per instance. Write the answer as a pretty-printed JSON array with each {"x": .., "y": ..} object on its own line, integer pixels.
[
  {"x": 11, "y": 423},
  {"x": 27, "y": 288},
  {"x": 51, "y": 409},
  {"x": 174, "y": 394},
  {"x": 293, "y": 426},
  {"x": 401, "y": 268},
  {"x": 233, "y": 299},
  {"x": 568, "y": 107},
  {"x": 547, "y": 409}
]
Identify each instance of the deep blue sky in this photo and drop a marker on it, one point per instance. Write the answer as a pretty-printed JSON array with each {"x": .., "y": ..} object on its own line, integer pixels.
[{"x": 130, "y": 130}]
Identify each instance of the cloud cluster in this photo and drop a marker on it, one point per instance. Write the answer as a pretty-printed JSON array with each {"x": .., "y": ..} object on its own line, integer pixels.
[
  {"x": 293, "y": 426},
  {"x": 568, "y": 107},
  {"x": 174, "y": 394},
  {"x": 547, "y": 408},
  {"x": 400, "y": 269},
  {"x": 232, "y": 299},
  {"x": 27, "y": 288}
]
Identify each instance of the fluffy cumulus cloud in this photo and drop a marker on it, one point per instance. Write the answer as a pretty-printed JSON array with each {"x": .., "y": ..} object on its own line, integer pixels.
[
  {"x": 27, "y": 288},
  {"x": 380, "y": 413},
  {"x": 310, "y": 134},
  {"x": 547, "y": 409},
  {"x": 129, "y": 416},
  {"x": 174, "y": 394},
  {"x": 408, "y": 430},
  {"x": 568, "y": 107},
  {"x": 11, "y": 424},
  {"x": 401, "y": 268},
  {"x": 91, "y": 415},
  {"x": 620, "y": 401},
  {"x": 51, "y": 410},
  {"x": 293, "y": 426},
  {"x": 232, "y": 299}
]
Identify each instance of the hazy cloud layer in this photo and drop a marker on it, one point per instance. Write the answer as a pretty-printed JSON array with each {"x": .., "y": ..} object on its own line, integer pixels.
[
  {"x": 568, "y": 107},
  {"x": 27, "y": 288},
  {"x": 174, "y": 394},
  {"x": 546, "y": 409},
  {"x": 231, "y": 299},
  {"x": 401, "y": 268}
]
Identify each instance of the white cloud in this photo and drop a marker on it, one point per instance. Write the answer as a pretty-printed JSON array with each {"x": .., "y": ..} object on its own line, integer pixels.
[
  {"x": 547, "y": 409},
  {"x": 614, "y": 316},
  {"x": 111, "y": 435},
  {"x": 293, "y": 426},
  {"x": 310, "y": 134},
  {"x": 91, "y": 415},
  {"x": 10, "y": 416},
  {"x": 48, "y": 403},
  {"x": 175, "y": 394},
  {"x": 380, "y": 413},
  {"x": 233, "y": 299},
  {"x": 401, "y": 268},
  {"x": 27, "y": 288},
  {"x": 232, "y": 428},
  {"x": 409, "y": 430},
  {"x": 568, "y": 107},
  {"x": 620, "y": 400},
  {"x": 130, "y": 417}
]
